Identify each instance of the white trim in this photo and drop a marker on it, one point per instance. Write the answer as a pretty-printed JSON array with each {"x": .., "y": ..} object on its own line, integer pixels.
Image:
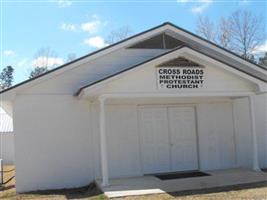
[{"x": 185, "y": 94}]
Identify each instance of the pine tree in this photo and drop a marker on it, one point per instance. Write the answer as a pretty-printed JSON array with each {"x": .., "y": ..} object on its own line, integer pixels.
[
  {"x": 6, "y": 77},
  {"x": 263, "y": 60},
  {"x": 38, "y": 71}
]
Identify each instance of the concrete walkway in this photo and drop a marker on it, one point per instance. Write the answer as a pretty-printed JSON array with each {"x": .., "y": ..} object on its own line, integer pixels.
[{"x": 152, "y": 185}]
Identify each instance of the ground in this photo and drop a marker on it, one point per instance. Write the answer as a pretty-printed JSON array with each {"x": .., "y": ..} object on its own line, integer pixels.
[{"x": 256, "y": 191}]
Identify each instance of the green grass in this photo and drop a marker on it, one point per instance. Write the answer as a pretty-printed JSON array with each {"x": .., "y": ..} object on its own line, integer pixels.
[
  {"x": 256, "y": 191},
  {"x": 8, "y": 191}
]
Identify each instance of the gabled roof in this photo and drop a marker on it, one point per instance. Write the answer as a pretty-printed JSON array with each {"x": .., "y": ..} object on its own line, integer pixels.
[
  {"x": 159, "y": 56},
  {"x": 252, "y": 72}
]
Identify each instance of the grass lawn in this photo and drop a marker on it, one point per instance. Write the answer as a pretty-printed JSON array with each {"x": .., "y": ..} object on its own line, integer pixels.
[{"x": 249, "y": 192}]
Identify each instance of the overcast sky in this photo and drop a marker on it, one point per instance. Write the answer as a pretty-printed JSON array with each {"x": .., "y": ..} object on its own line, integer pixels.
[{"x": 68, "y": 26}]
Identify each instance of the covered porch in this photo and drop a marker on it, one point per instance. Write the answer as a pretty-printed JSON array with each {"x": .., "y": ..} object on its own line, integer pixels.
[
  {"x": 233, "y": 171},
  {"x": 151, "y": 128},
  {"x": 221, "y": 180}
]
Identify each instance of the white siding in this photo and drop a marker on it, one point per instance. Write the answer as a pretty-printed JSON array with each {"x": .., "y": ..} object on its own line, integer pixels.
[
  {"x": 216, "y": 136},
  {"x": 261, "y": 127},
  {"x": 6, "y": 123},
  {"x": 53, "y": 145},
  {"x": 57, "y": 135},
  {"x": 216, "y": 80},
  {"x": 215, "y": 118},
  {"x": 123, "y": 141},
  {"x": 243, "y": 132},
  {"x": 69, "y": 82},
  {"x": 7, "y": 148}
]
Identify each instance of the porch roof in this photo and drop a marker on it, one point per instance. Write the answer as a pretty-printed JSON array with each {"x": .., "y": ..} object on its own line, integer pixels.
[{"x": 251, "y": 73}]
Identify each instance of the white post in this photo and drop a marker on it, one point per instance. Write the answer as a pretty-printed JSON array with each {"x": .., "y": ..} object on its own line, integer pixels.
[
  {"x": 103, "y": 142},
  {"x": 254, "y": 134},
  {"x": 1, "y": 172}
]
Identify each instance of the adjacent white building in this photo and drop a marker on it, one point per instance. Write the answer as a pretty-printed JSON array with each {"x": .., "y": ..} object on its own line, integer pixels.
[
  {"x": 6, "y": 139},
  {"x": 161, "y": 101}
]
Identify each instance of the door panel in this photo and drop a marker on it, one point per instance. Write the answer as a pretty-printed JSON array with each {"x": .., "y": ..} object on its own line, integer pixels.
[
  {"x": 154, "y": 139},
  {"x": 216, "y": 136},
  {"x": 183, "y": 138}
]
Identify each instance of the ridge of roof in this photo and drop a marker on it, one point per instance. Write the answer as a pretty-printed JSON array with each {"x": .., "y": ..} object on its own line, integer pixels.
[
  {"x": 119, "y": 42},
  {"x": 82, "y": 57},
  {"x": 156, "y": 57},
  {"x": 212, "y": 43},
  {"x": 124, "y": 70}
]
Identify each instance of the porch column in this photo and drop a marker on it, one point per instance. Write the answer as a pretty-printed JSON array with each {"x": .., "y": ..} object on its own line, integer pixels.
[
  {"x": 254, "y": 134},
  {"x": 103, "y": 142}
]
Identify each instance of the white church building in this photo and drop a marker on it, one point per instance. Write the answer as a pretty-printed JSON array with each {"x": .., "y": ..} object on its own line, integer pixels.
[{"x": 164, "y": 100}]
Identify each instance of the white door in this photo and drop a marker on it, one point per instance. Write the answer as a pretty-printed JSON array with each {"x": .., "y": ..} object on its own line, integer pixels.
[
  {"x": 216, "y": 136},
  {"x": 168, "y": 139},
  {"x": 183, "y": 138},
  {"x": 154, "y": 139}
]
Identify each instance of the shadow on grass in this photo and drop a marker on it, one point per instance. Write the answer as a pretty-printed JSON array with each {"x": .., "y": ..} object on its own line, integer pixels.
[
  {"x": 3, "y": 188},
  {"x": 220, "y": 189},
  {"x": 88, "y": 191},
  {"x": 7, "y": 171}
]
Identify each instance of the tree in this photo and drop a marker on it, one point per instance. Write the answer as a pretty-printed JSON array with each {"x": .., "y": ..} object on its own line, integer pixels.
[
  {"x": 206, "y": 28},
  {"x": 242, "y": 32},
  {"x": 71, "y": 57},
  {"x": 37, "y": 71},
  {"x": 247, "y": 31},
  {"x": 263, "y": 60},
  {"x": 6, "y": 77},
  {"x": 118, "y": 34},
  {"x": 44, "y": 59},
  {"x": 224, "y": 34}
]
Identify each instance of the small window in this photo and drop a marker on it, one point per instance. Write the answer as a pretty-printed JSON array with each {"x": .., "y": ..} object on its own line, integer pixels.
[{"x": 161, "y": 41}]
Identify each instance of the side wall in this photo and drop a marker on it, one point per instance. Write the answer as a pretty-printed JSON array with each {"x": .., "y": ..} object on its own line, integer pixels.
[
  {"x": 7, "y": 148},
  {"x": 55, "y": 129}
]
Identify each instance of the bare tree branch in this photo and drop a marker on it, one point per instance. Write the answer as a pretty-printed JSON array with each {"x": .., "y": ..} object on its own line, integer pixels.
[
  {"x": 247, "y": 31},
  {"x": 242, "y": 32},
  {"x": 43, "y": 55},
  {"x": 119, "y": 34},
  {"x": 206, "y": 28},
  {"x": 224, "y": 35}
]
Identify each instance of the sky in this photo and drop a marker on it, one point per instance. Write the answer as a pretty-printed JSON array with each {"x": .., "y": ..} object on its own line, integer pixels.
[{"x": 79, "y": 27}]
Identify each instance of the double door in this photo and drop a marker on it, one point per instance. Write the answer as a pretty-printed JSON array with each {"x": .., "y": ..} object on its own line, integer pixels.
[{"x": 168, "y": 138}]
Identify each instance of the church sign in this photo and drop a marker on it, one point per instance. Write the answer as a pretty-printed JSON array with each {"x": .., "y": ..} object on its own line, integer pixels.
[{"x": 180, "y": 77}]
